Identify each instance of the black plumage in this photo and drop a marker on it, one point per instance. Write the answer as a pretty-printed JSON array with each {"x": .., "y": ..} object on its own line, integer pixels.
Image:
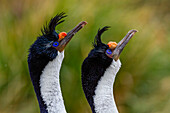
[
  {"x": 45, "y": 49},
  {"x": 94, "y": 66},
  {"x": 41, "y": 52}
]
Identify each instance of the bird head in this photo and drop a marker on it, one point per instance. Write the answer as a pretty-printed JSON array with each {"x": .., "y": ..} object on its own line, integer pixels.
[
  {"x": 110, "y": 51},
  {"x": 50, "y": 42}
]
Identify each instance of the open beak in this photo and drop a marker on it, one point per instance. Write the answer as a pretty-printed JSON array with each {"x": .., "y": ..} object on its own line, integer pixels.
[
  {"x": 70, "y": 35},
  {"x": 120, "y": 46}
]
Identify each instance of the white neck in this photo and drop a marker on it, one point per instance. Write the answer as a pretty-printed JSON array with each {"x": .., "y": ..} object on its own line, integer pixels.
[
  {"x": 50, "y": 86},
  {"x": 103, "y": 99}
]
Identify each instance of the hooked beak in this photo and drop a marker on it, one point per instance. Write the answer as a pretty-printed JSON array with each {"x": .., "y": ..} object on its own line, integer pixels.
[
  {"x": 120, "y": 46},
  {"x": 69, "y": 36}
]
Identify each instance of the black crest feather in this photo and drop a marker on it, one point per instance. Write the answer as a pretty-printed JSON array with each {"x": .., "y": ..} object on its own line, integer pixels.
[
  {"x": 50, "y": 28},
  {"x": 97, "y": 39}
]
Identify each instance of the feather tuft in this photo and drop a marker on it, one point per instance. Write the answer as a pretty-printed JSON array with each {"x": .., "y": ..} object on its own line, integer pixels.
[
  {"x": 97, "y": 39},
  {"x": 50, "y": 28}
]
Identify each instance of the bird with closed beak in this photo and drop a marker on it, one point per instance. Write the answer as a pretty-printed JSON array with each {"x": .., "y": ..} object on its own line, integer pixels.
[
  {"x": 44, "y": 61},
  {"x": 99, "y": 70}
]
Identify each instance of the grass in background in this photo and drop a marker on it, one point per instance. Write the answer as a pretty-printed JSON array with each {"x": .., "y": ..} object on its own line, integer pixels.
[{"x": 143, "y": 83}]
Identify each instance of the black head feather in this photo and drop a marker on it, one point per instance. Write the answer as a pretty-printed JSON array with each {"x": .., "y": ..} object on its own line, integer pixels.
[
  {"x": 42, "y": 47},
  {"x": 49, "y": 29},
  {"x": 97, "y": 39}
]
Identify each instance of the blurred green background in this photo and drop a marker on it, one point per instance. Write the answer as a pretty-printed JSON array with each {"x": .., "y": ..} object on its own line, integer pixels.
[{"x": 141, "y": 86}]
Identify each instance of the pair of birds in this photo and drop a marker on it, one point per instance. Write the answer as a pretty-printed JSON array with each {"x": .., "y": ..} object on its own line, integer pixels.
[{"x": 99, "y": 69}]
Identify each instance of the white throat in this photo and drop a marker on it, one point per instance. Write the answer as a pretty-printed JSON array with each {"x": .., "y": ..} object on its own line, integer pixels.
[
  {"x": 103, "y": 99},
  {"x": 50, "y": 86}
]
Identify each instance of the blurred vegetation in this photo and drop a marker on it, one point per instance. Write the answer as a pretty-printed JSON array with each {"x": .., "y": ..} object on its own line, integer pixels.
[{"x": 143, "y": 83}]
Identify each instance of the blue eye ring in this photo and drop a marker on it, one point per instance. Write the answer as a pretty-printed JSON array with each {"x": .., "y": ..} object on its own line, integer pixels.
[
  {"x": 108, "y": 51},
  {"x": 55, "y": 44}
]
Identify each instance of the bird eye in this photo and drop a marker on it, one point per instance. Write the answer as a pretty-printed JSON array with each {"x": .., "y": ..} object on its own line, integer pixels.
[
  {"x": 108, "y": 51},
  {"x": 55, "y": 44}
]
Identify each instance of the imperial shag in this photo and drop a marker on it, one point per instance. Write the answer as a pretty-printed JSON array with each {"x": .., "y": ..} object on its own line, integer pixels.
[
  {"x": 99, "y": 70},
  {"x": 44, "y": 60}
]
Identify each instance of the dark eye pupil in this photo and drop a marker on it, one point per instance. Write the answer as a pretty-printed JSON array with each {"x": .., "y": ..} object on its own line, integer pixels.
[{"x": 109, "y": 51}]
